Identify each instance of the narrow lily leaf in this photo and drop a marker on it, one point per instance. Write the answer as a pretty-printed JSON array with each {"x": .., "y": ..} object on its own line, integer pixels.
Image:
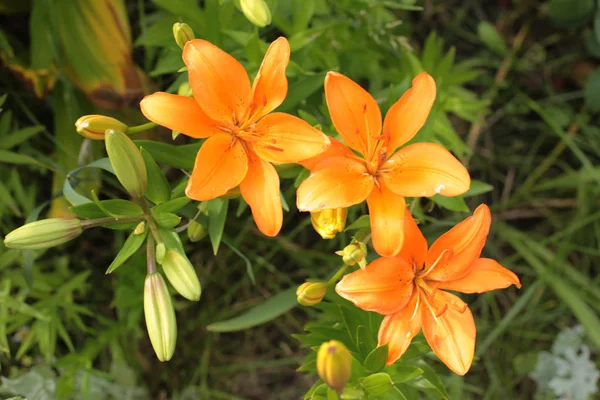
[
  {"x": 404, "y": 373},
  {"x": 166, "y": 220},
  {"x": 451, "y": 203},
  {"x": 89, "y": 211},
  {"x": 174, "y": 156},
  {"x": 362, "y": 222},
  {"x": 478, "y": 187},
  {"x": 158, "y": 190},
  {"x": 376, "y": 359},
  {"x": 171, "y": 206},
  {"x": 131, "y": 245},
  {"x": 120, "y": 208},
  {"x": 264, "y": 312},
  {"x": 217, "y": 213},
  {"x": 9, "y": 141}
]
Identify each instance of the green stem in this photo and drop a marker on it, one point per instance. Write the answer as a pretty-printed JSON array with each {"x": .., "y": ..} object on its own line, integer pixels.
[
  {"x": 92, "y": 223},
  {"x": 140, "y": 128},
  {"x": 150, "y": 257},
  {"x": 149, "y": 219},
  {"x": 337, "y": 275}
]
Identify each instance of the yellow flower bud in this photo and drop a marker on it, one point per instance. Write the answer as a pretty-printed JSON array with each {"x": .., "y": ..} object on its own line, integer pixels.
[
  {"x": 196, "y": 231},
  {"x": 160, "y": 316},
  {"x": 354, "y": 253},
  {"x": 94, "y": 126},
  {"x": 182, "y": 33},
  {"x": 330, "y": 221},
  {"x": 127, "y": 162},
  {"x": 140, "y": 228},
  {"x": 181, "y": 274},
  {"x": 44, "y": 233},
  {"x": 377, "y": 384},
  {"x": 257, "y": 12},
  {"x": 334, "y": 364},
  {"x": 311, "y": 293}
]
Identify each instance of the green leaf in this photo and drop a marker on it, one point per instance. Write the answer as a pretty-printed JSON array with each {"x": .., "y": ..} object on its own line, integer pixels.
[
  {"x": 171, "y": 206},
  {"x": 300, "y": 90},
  {"x": 451, "y": 203},
  {"x": 264, "y": 312},
  {"x": 89, "y": 211},
  {"x": 569, "y": 13},
  {"x": 488, "y": 34},
  {"x": 131, "y": 245},
  {"x": 174, "y": 156},
  {"x": 120, "y": 208},
  {"x": 158, "y": 190},
  {"x": 166, "y": 220},
  {"x": 20, "y": 136},
  {"x": 477, "y": 188},
  {"x": 362, "y": 222},
  {"x": 591, "y": 90},
  {"x": 376, "y": 359},
  {"x": 429, "y": 382},
  {"x": 217, "y": 213},
  {"x": 404, "y": 373}
]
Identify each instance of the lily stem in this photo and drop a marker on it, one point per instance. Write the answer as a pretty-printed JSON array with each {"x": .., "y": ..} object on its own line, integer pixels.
[
  {"x": 92, "y": 223},
  {"x": 150, "y": 257},
  {"x": 337, "y": 275},
  {"x": 141, "y": 128},
  {"x": 149, "y": 219}
]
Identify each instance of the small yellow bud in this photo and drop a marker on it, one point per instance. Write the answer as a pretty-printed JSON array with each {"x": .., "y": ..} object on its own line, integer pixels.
[
  {"x": 127, "y": 162},
  {"x": 140, "y": 228},
  {"x": 44, "y": 233},
  {"x": 160, "y": 316},
  {"x": 181, "y": 274},
  {"x": 94, "y": 126},
  {"x": 182, "y": 33},
  {"x": 330, "y": 221},
  {"x": 334, "y": 364},
  {"x": 354, "y": 253},
  {"x": 196, "y": 231},
  {"x": 257, "y": 12},
  {"x": 311, "y": 293},
  {"x": 377, "y": 384}
]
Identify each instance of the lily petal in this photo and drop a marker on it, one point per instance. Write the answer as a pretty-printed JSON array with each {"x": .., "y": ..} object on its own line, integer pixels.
[
  {"x": 451, "y": 335},
  {"x": 338, "y": 182},
  {"x": 408, "y": 115},
  {"x": 179, "y": 113},
  {"x": 414, "y": 249},
  {"x": 384, "y": 286},
  {"x": 485, "y": 275},
  {"x": 336, "y": 148},
  {"x": 423, "y": 170},
  {"x": 221, "y": 164},
  {"x": 386, "y": 211},
  {"x": 270, "y": 84},
  {"x": 220, "y": 84},
  {"x": 354, "y": 112},
  {"x": 398, "y": 330},
  {"x": 466, "y": 240},
  {"x": 260, "y": 189},
  {"x": 284, "y": 138}
]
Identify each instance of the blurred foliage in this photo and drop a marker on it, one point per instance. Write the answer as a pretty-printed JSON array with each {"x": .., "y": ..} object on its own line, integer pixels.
[{"x": 517, "y": 100}]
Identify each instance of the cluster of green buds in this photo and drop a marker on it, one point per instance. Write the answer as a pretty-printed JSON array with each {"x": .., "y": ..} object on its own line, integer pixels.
[
  {"x": 354, "y": 253},
  {"x": 328, "y": 222}
]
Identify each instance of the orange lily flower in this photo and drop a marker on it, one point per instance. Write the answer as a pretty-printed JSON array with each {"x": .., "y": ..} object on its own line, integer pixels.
[
  {"x": 407, "y": 289},
  {"x": 243, "y": 136},
  {"x": 340, "y": 178}
]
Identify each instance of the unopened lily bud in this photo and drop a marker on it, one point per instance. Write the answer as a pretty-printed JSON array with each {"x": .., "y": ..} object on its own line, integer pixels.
[
  {"x": 127, "y": 162},
  {"x": 182, "y": 33},
  {"x": 140, "y": 228},
  {"x": 334, "y": 364},
  {"x": 184, "y": 89},
  {"x": 257, "y": 12},
  {"x": 161, "y": 250},
  {"x": 44, "y": 233},
  {"x": 160, "y": 316},
  {"x": 94, "y": 126},
  {"x": 377, "y": 384},
  {"x": 311, "y": 293},
  {"x": 354, "y": 253},
  {"x": 196, "y": 231},
  {"x": 330, "y": 221},
  {"x": 181, "y": 274}
]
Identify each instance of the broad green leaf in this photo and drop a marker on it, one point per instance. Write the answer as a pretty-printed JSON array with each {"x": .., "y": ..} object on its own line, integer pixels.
[
  {"x": 89, "y": 211},
  {"x": 451, "y": 203},
  {"x": 404, "y": 373},
  {"x": 174, "y": 156},
  {"x": 489, "y": 36},
  {"x": 362, "y": 222},
  {"x": 120, "y": 208},
  {"x": 217, "y": 213},
  {"x": 300, "y": 90},
  {"x": 429, "y": 382},
  {"x": 264, "y": 312},
  {"x": 172, "y": 206},
  {"x": 376, "y": 359},
  {"x": 131, "y": 245},
  {"x": 166, "y": 220},
  {"x": 158, "y": 190},
  {"x": 477, "y": 188}
]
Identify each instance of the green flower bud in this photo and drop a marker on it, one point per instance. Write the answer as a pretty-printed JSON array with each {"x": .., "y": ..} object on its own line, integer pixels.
[
  {"x": 184, "y": 89},
  {"x": 128, "y": 162},
  {"x": 94, "y": 126},
  {"x": 334, "y": 364},
  {"x": 196, "y": 231},
  {"x": 160, "y": 316},
  {"x": 377, "y": 384},
  {"x": 181, "y": 274},
  {"x": 182, "y": 33},
  {"x": 257, "y": 12},
  {"x": 44, "y": 233},
  {"x": 161, "y": 250},
  {"x": 330, "y": 221},
  {"x": 311, "y": 293},
  {"x": 354, "y": 253}
]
